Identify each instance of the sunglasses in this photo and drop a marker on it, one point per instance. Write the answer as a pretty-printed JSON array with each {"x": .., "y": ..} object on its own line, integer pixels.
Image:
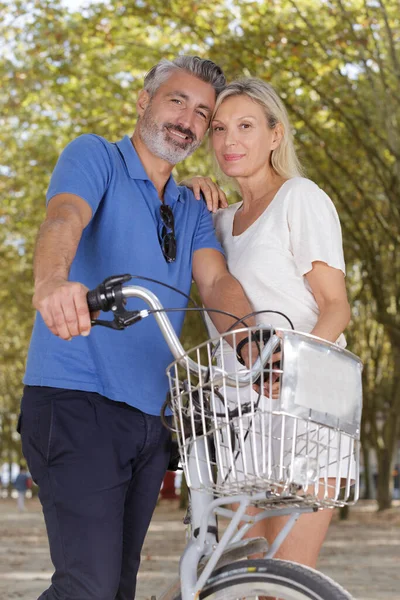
[{"x": 168, "y": 240}]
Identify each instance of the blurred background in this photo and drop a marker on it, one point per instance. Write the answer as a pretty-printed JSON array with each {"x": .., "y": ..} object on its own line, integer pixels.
[{"x": 74, "y": 67}]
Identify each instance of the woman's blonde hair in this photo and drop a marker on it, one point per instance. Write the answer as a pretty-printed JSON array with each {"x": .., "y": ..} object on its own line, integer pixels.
[{"x": 283, "y": 159}]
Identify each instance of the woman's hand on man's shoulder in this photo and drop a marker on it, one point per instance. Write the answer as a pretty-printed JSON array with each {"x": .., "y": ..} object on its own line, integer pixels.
[{"x": 213, "y": 195}]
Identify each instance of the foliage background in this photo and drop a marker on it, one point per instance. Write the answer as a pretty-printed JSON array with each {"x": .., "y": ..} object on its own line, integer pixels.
[{"x": 335, "y": 63}]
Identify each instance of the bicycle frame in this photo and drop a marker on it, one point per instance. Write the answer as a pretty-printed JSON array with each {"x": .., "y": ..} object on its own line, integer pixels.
[
  {"x": 204, "y": 507},
  {"x": 204, "y": 552}
]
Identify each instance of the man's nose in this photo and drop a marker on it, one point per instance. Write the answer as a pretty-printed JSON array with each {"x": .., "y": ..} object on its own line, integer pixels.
[{"x": 186, "y": 119}]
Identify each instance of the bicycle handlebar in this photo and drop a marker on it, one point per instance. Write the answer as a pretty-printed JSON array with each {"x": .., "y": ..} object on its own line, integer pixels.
[{"x": 110, "y": 295}]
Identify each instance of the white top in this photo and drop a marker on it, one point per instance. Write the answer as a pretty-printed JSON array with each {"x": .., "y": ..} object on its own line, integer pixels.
[{"x": 271, "y": 257}]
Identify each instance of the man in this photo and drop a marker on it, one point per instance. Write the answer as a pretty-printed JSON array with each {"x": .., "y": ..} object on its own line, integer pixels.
[{"x": 90, "y": 423}]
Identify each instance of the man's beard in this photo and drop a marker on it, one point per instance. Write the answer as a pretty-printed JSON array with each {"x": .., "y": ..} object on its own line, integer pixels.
[{"x": 163, "y": 145}]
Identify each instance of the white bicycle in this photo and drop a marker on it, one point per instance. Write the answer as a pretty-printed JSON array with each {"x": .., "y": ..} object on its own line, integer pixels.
[{"x": 241, "y": 448}]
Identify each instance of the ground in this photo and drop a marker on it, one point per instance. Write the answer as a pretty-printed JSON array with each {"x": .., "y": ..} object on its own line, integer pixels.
[{"x": 363, "y": 553}]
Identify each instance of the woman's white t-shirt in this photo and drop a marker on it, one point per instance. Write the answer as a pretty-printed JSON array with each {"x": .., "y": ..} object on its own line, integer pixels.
[{"x": 270, "y": 259}]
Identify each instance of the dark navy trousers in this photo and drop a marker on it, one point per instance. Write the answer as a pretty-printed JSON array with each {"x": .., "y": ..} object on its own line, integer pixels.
[{"x": 99, "y": 465}]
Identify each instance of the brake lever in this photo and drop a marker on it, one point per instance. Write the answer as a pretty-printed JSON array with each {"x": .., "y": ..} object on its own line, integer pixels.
[{"x": 122, "y": 319}]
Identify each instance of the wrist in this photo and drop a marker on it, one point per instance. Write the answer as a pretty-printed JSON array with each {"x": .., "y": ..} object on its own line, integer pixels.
[
  {"x": 52, "y": 281},
  {"x": 239, "y": 348},
  {"x": 259, "y": 338}
]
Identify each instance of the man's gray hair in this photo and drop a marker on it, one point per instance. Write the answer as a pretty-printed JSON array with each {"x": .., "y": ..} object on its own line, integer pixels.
[{"x": 203, "y": 69}]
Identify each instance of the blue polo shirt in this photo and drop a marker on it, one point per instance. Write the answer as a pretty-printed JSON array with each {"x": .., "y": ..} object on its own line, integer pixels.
[{"x": 122, "y": 237}]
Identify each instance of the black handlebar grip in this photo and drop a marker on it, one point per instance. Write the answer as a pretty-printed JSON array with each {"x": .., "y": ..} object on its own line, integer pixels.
[
  {"x": 105, "y": 295},
  {"x": 94, "y": 300}
]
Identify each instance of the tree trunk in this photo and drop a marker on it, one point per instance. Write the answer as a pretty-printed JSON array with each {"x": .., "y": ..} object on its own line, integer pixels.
[
  {"x": 384, "y": 487},
  {"x": 10, "y": 481},
  {"x": 367, "y": 470},
  {"x": 390, "y": 432}
]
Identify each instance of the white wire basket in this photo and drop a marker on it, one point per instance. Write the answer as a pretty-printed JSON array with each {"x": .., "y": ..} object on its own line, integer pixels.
[{"x": 301, "y": 445}]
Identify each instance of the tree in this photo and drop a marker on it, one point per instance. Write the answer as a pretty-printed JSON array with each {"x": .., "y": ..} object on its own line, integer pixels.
[{"x": 336, "y": 64}]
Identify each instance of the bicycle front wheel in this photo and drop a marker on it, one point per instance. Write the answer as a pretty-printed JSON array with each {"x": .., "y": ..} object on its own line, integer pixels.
[{"x": 270, "y": 578}]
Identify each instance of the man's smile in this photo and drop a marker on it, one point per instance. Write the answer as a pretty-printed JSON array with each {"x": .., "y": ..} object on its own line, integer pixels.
[{"x": 179, "y": 134}]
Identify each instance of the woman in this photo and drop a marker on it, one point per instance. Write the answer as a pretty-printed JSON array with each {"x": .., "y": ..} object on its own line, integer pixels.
[{"x": 282, "y": 242}]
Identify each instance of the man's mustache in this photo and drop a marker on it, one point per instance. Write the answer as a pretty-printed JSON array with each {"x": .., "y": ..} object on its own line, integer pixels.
[{"x": 188, "y": 132}]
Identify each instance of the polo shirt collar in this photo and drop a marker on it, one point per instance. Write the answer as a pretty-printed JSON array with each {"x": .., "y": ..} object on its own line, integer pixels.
[{"x": 137, "y": 171}]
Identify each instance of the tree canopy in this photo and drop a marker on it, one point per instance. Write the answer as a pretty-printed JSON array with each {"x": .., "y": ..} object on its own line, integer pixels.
[{"x": 335, "y": 63}]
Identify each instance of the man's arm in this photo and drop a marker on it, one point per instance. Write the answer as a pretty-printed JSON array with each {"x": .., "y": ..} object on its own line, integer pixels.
[
  {"x": 219, "y": 289},
  {"x": 61, "y": 303}
]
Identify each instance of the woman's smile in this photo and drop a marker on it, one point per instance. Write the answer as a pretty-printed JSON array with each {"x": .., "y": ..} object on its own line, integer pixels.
[{"x": 233, "y": 157}]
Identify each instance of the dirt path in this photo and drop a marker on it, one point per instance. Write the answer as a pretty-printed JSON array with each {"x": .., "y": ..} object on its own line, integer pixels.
[{"x": 362, "y": 554}]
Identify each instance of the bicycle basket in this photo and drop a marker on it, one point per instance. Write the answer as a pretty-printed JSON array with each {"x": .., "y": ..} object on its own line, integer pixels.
[{"x": 301, "y": 444}]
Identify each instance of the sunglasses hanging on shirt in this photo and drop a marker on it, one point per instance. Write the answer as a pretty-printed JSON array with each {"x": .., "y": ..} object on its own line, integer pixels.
[{"x": 168, "y": 239}]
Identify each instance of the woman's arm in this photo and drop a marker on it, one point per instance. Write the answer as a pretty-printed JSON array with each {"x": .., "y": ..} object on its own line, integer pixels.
[{"x": 327, "y": 285}]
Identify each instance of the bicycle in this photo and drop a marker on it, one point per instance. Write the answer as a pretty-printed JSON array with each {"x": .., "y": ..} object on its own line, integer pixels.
[{"x": 250, "y": 450}]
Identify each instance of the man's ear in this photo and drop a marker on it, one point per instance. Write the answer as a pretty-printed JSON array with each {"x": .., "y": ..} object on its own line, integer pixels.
[{"x": 142, "y": 102}]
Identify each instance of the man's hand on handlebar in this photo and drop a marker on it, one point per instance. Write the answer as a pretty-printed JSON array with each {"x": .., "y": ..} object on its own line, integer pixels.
[{"x": 63, "y": 306}]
